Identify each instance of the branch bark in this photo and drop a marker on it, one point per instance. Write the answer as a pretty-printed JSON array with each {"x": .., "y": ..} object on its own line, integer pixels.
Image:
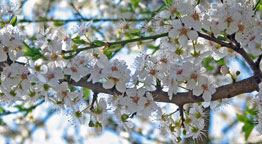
[
  {"x": 83, "y": 19},
  {"x": 226, "y": 91}
]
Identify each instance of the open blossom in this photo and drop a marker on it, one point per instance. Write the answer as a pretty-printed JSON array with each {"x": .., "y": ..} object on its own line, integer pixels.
[
  {"x": 197, "y": 114},
  {"x": 181, "y": 32},
  {"x": 76, "y": 68},
  {"x": 205, "y": 88},
  {"x": 65, "y": 97},
  {"x": 53, "y": 75},
  {"x": 10, "y": 43},
  {"x": 116, "y": 74},
  {"x": 193, "y": 20},
  {"x": 83, "y": 28},
  {"x": 53, "y": 50},
  {"x": 171, "y": 11},
  {"x": 135, "y": 100},
  {"x": 195, "y": 131},
  {"x": 253, "y": 43}
]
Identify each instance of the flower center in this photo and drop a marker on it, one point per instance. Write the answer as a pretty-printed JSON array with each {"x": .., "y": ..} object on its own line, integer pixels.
[
  {"x": 23, "y": 76},
  {"x": 9, "y": 74},
  {"x": 64, "y": 93},
  {"x": 179, "y": 72},
  {"x": 195, "y": 16},
  {"x": 115, "y": 79},
  {"x": 51, "y": 76},
  {"x": 205, "y": 87},
  {"x": 229, "y": 20},
  {"x": 114, "y": 68},
  {"x": 241, "y": 27},
  {"x": 173, "y": 11},
  {"x": 54, "y": 56},
  {"x": 5, "y": 49},
  {"x": 152, "y": 72},
  {"x": 183, "y": 31},
  {"x": 164, "y": 60},
  {"x": 135, "y": 99},
  {"x": 252, "y": 38},
  {"x": 73, "y": 69},
  {"x": 147, "y": 103},
  {"x": 81, "y": 62},
  {"x": 194, "y": 76}
]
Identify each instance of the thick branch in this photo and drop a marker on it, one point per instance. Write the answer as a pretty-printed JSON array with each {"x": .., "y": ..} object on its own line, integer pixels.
[{"x": 226, "y": 91}]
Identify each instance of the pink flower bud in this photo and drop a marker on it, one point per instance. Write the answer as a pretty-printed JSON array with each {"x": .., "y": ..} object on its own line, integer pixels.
[{"x": 224, "y": 70}]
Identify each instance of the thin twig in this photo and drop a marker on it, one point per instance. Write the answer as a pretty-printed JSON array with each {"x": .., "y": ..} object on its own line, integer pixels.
[
  {"x": 94, "y": 20},
  {"x": 119, "y": 42},
  {"x": 93, "y": 100}
]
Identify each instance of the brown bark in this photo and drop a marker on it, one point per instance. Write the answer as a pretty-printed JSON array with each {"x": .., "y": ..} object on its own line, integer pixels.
[{"x": 226, "y": 91}]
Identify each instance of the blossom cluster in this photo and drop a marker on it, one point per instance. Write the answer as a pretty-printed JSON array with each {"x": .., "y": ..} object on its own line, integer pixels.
[{"x": 52, "y": 61}]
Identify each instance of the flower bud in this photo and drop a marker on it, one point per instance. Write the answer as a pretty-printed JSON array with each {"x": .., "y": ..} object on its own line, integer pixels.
[{"x": 224, "y": 70}]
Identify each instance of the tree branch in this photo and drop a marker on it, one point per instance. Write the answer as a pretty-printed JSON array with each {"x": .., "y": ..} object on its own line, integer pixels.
[
  {"x": 223, "y": 44},
  {"x": 124, "y": 42},
  {"x": 226, "y": 91},
  {"x": 83, "y": 19},
  {"x": 237, "y": 49}
]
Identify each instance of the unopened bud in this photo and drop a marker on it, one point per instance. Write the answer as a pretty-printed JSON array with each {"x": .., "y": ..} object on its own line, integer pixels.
[
  {"x": 238, "y": 73},
  {"x": 224, "y": 70}
]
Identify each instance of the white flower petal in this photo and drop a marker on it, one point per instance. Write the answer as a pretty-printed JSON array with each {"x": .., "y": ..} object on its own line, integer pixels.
[
  {"x": 198, "y": 90},
  {"x": 108, "y": 84},
  {"x": 207, "y": 96},
  {"x": 193, "y": 35},
  {"x": 121, "y": 87},
  {"x": 183, "y": 40}
]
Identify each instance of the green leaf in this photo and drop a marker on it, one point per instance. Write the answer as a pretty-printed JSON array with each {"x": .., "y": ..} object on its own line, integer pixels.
[
  {"x": 168, "y": 2},
  {"x": 91, "y": 123},
  {"x": 247, "y": 129},
  {"x": 58, "y": 23},
  {"x": 86, "y": 93},
  {"x": 242, "y": 118},
  {"x": 70, "y": 56},
  {"x": 251, "y": 112},
  {"x": 124, "y": 117},
  {"x": 98, "y": 124},
  {"x": 205, "y": 31},
  {"x": 1, "y": 122},
  {"x": 99, "y": 43},
  {"x": 222, "y": 38},
  {"x": 131, "y": 7},
  {"x": 221, "y": 62},
  {"x": 135, "y": 3},
  {"x": 108, "y": 54},
  {"x": 14, "y": 21},
  {"x": 146, "y": 12},
  {"x": 33, "y": 53},
  {"x": 179, "y": 139},
  {"x": 258, "y": 6},
  {"x": 197, "y": 2},
  {"x": 20, "y": 107},
  {"x": 125, "y": 10},
  {"x": 153, "y": 47},
  {"x": 77, "y": 40},
  {"x": 206, "y": 63},
  {"x": 252, "y": 56},
  {"x": 2, "y": 110}
]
